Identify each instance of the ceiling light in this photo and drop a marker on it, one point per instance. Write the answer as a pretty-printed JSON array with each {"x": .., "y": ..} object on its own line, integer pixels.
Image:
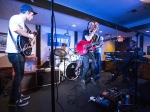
[
  {"x": 100, "y": 31},
  {"x": 147, "y": 31},
  {"x": 73, "y": 25},
  {"x": 145, "y": 1}
]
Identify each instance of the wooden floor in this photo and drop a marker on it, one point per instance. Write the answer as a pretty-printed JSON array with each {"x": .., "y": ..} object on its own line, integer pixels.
[{"x": 69, "y": 97}]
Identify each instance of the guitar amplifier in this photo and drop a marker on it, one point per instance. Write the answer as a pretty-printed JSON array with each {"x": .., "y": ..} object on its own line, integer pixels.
[{"x": 44, "y": 76}]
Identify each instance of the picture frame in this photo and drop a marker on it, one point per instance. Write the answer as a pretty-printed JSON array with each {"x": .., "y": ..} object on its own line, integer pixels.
[{"x": 3, "y": 39}]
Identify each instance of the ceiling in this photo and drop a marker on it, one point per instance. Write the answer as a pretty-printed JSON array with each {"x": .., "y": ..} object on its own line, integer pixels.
[{"x": 118, "y": 17}]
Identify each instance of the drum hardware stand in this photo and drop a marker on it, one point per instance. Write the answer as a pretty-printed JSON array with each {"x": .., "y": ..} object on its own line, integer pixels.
[
  {"x": 64, "y": 76},
  {"x": 136, "y": 71}
]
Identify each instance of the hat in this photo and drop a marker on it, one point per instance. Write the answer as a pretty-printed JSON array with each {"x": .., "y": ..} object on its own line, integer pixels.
[
  {"x": 64, "y": 44},
  {"x": 25, "y": 8}
]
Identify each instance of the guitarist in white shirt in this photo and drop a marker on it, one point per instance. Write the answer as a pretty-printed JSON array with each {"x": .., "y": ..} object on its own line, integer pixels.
[
  {"x": 88, "y": 35},
  {"x": 17, "y": 27}
]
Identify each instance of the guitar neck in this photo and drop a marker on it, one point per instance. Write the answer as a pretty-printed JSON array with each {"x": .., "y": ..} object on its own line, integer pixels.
[{"x": 94, "y": 43}]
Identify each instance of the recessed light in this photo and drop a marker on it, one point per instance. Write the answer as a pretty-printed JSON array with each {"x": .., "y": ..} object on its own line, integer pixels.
[
  {"x": 100, "y": 31},
  {"x": 73, "y": 25}
]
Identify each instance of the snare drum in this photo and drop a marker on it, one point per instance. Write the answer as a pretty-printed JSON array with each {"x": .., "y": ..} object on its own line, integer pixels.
[{"x": 70, "y": 71}]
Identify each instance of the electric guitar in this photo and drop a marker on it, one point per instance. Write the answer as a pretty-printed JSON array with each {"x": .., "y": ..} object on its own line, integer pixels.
[
  {"x": 83, "y": 46},
  {"x": 25, "y": 44}
]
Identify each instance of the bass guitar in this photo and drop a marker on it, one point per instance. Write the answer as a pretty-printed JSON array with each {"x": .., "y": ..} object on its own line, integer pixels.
[
  {"x": 25, "y": 44},
  {"x": 83, "y": 46}
]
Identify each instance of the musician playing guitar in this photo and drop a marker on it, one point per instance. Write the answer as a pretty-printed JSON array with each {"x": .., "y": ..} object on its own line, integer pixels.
[
  {"x": 88, "y": 35},
  {"x": 15, "y": 56}
]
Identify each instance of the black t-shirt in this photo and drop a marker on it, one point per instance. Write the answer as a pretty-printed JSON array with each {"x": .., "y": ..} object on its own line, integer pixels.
[
  {"x": 94, "y": 38},
  {"x": 85, "y": 32}
]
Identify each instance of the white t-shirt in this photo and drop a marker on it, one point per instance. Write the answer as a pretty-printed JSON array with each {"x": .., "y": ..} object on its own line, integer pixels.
[{"x": 13, "y": 23}]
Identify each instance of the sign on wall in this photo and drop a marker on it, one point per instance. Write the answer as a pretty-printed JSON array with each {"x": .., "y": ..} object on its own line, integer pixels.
[{"x": 58, "y": 39}]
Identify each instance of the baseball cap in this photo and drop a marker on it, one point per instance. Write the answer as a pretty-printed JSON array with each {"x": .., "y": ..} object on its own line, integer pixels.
[{"x": 25, "y": 8}]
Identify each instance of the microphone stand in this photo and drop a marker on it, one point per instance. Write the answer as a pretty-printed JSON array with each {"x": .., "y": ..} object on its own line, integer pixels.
[
  {"x": 136, "y": 73},
  {"x": 52, "y": 60}
]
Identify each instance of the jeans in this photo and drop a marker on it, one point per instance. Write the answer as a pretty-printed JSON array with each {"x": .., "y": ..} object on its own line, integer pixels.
[
  {"x": 18, "y": 61},
  {"x": 98, "y": 60},
  {"x": 86, "y": 65}
]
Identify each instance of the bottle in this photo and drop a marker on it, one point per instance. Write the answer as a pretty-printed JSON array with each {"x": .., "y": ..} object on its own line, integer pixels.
[
  {"x": 127, "y": 99},
  {"x": 119, "y": 106}
]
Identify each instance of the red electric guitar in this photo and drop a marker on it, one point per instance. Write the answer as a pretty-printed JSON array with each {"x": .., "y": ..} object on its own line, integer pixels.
[{"x": 83, "y": 46}]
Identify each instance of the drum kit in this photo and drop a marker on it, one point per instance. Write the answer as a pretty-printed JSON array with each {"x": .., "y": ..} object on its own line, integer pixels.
[{"x": 66, "y": 64}]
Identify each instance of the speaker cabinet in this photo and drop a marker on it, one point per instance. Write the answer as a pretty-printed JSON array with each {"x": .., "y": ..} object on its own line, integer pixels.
[
  {"x": 28, "y": 81},
  {"x": 144, "y": 90},
  {"x": 44, "y": 76}
]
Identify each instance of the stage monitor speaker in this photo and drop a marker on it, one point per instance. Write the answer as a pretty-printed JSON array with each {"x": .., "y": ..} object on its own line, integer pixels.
[
  {"x": 44, "y": 76},
  {"x": 144, "y": 90},
  {"x": 29, "y": 81}
]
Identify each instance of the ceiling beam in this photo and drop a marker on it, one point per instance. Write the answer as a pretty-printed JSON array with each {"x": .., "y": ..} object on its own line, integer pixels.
[
  {"x": 141, "y": 27},
  {"x": 72, "y": 12}
]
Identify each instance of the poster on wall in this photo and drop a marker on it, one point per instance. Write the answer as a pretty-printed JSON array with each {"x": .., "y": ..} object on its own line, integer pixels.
[{"x": 58, "y": 39}]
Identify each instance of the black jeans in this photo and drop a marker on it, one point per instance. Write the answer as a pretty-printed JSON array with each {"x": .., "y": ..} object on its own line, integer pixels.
[{"x": 18, "y": 61}]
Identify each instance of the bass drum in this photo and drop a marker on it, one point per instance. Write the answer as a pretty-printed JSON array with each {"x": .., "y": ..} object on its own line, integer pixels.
[
  {"x": 70, "y": 71},
  {"x": 61, "y": 66}
]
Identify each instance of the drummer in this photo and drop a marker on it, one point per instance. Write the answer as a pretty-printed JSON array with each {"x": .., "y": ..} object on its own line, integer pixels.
[{"x": 64, "y": 47}]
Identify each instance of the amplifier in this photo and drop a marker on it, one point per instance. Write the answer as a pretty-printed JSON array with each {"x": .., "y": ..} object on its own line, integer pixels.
[{"x": 44, "y": 76}]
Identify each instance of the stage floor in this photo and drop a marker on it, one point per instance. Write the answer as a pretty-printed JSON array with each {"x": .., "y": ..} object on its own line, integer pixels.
[{"x": 69, "y": 96}]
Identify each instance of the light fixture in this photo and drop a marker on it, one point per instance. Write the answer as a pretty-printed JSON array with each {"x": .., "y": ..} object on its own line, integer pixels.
[
  {"x": 100, "y": 31},
  {"x": 120, "y": 39},
  {"x": 73, "y": 25},
  {"x": 145, "y": 1}
]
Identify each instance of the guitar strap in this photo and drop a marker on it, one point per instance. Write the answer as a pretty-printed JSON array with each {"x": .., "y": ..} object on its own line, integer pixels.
[
  {"x": 28, "y": 30},
  {"x": 14, "y": 41}
]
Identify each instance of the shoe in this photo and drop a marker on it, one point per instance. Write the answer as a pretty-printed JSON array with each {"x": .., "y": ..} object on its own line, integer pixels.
[
  {"x": 93, "y": 81},
  {"x": 21, "y": 103},
  {"x": 83, "y": 84},
  {"x": 23, "y": 97}
]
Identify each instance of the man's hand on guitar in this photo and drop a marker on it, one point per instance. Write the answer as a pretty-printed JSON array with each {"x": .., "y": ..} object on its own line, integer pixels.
[
  {"x": 35, "y": 33},
  {"x": 101, "y": 43}
]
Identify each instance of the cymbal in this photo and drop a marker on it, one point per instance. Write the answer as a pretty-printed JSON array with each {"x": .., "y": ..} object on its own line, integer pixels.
[{"x": 60, "y": 52}]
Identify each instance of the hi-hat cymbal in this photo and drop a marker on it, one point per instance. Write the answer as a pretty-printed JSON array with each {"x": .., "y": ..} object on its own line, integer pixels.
[{"x": 60, "y": 52}]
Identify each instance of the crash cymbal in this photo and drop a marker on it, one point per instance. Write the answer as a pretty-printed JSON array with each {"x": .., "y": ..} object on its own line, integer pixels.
[{"x": 60, "y": 52}]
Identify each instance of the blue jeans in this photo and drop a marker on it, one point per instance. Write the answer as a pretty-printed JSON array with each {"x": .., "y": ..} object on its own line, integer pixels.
[
  {"x": 18, "y": 61},
  {"x": 98, "y": 60},
  {"x": 86, "y": 65}
]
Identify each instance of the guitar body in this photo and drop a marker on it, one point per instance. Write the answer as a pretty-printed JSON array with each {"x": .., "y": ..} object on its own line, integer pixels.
[
  {"x": 25, "y": 45},
  {"x": 83, "y": 47}
]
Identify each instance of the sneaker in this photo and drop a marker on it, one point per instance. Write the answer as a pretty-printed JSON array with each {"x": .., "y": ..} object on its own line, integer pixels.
[
  {"x": 83, "y": 84},
  {"x": 23, "y": 97},
  {"x": 20, "y": 104},
  {"x": 93, "y": 81}
]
